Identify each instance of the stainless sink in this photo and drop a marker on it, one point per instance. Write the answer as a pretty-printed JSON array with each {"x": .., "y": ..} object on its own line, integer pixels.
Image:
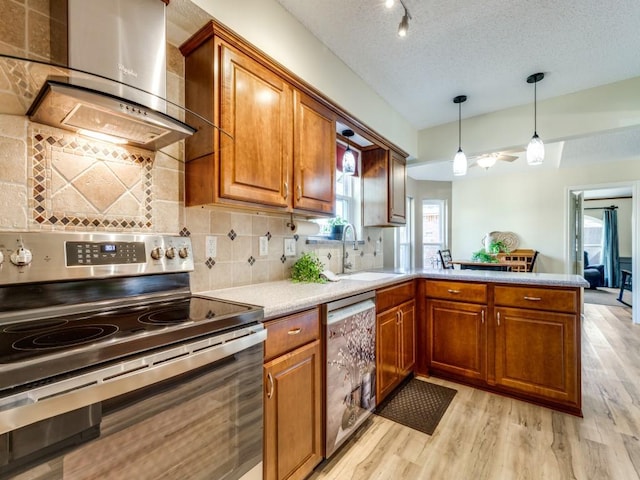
[{"x": 369, "y": 276}]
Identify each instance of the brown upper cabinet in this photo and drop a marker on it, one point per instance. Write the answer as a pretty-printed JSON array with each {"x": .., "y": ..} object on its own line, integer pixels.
[
  {"x": 383, "y": 170},
  {"x": 280, "y": 147}
]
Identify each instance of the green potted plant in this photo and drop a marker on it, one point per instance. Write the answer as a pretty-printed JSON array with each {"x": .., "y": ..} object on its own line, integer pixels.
[
  {"x": 490, "y": 255},
  {"x": 308, "y": 269},
  {"x": 336, "y": 226}
]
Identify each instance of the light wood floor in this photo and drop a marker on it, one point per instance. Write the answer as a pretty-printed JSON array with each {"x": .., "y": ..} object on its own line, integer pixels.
[{"x": 487, "y": 436}]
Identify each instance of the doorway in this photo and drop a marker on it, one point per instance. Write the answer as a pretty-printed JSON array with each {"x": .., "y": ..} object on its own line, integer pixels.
[{"x": 586, "y": 211}]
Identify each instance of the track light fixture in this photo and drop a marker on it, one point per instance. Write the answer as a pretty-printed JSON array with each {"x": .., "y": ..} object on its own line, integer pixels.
[
  {"x": 460, "y": 160},
  {"x": 535, "y": 149},
  {"x": 403, "y": 28}
]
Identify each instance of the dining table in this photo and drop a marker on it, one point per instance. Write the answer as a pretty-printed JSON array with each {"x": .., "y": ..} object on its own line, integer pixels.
[{"x": 504, "y": 265}]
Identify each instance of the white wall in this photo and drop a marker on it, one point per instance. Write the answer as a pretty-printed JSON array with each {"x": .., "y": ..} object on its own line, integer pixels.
[
  {"x": 268, "y": 26},
  {"x": 533, "y": 205}
]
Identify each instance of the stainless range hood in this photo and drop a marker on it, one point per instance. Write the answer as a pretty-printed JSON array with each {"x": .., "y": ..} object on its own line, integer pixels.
[
  {"x": 123, "y": 44},
  {"x": 104, "y": 116}
]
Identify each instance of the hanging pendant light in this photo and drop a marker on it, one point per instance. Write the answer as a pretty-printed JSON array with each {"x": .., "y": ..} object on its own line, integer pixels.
[
  {"x": 460, "y": 160},
  {"x": 348, "y": 158},
  {"x": 403, "y": 28},
  {"x": 535, "y": 149}
]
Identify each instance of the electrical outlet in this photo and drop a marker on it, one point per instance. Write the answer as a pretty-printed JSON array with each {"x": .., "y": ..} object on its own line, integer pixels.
[
  {"x": 264, "y": 246},
  {"x": 211, "y": 246},
  {"x": 289, "y": 247}
]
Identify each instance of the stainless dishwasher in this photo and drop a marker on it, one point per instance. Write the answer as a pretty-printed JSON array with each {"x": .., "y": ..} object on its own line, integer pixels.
[{"x": 350, "y": 333}]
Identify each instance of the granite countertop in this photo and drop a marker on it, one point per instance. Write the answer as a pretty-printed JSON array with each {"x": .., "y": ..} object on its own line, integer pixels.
[{"x": 284, "y": 297}]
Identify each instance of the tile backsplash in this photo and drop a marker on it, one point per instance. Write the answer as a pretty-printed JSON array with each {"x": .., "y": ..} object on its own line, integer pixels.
[{"x": 53, "y": 180}]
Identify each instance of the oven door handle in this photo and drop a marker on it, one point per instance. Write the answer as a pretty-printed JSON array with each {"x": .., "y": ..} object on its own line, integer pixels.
[{"x": 67, "y": 395}]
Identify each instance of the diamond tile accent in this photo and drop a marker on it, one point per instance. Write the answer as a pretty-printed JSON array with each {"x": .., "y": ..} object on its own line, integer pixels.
[
  {"x": 329, "y": 256},
  {"x": 296, "y": 237},
  {"x": 346, "y": 254},
  {"x": 210, "y": 263},
  {"x": 251, "y": 260},
  {"x": 268, "y": 235},
  {"x": 283, "y": 258},
  {"x": 362, "y": 253},
  {"x": 185, "y": 232},
  {"x": 107, "y": 187},
  {"x": 232, "y": 235}
]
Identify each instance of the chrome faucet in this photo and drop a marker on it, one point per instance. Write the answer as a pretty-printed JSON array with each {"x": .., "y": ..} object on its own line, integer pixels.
[{"x": 348, "y": 265}]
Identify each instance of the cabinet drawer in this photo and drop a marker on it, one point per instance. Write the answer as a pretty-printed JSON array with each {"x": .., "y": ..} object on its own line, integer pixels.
[
  {"x": 288, "y": 333},
  {"x": 389, "y": 297},
  {"x": 556, "y": 300},
  {"x": 460, "y": 291}
]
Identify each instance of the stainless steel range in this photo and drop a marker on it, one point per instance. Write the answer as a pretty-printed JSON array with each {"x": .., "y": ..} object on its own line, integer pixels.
[{"x": 100, "y": 338}]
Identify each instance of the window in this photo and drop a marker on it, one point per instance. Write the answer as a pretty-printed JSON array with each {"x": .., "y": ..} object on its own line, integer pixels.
[
  {"x": 404, "y": 241},
  {"x": 434, "y": 229},
  {"x": 348, "y": 198},
  {"x": 593, "y": 239}
]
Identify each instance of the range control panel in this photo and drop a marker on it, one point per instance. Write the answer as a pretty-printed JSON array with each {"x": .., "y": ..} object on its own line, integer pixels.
[
  {"x": 48, "y": 256},
  {"x": 104, "y": 253}
]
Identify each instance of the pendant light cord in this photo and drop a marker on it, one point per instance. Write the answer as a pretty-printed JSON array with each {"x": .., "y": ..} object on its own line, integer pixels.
[
  {"x": 459, "y": 125},
  {"x": 535, "y": 108}
]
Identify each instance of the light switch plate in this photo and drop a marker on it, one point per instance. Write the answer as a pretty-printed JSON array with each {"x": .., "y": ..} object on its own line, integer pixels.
[
  {"x": 289, "y": 247},
  {"x": 264, "y": 246},
  {"x": 211, "y": 246}
]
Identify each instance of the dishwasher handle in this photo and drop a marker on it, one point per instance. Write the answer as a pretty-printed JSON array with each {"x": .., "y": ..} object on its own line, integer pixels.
[{"x": 340, "y": 314}]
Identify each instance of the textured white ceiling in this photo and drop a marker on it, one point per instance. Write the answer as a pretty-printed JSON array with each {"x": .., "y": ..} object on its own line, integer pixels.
[{"x": 484, "y": 49}]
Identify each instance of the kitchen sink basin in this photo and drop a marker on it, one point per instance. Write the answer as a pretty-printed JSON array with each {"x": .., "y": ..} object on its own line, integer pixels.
[{"x": 369, "y": 276}]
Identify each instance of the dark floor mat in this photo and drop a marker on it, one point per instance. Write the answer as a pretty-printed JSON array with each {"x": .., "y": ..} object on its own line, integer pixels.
[{"x": 418, "y": 405}]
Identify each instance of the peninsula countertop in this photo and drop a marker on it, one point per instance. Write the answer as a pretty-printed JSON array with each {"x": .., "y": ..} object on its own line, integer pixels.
[{"x": 284, "y": 296}]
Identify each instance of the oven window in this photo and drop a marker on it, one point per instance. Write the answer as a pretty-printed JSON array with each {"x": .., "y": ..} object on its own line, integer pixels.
[{"x": 204, "y": 424}]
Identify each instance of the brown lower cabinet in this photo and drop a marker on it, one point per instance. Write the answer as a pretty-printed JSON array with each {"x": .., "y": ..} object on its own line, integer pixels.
[
  {"x": 514, "y": 339},
  {"x": 293, "y": 396},
  {"x": 395, "y": 337}
]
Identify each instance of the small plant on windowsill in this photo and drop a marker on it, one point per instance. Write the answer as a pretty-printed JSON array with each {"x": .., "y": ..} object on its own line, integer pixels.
[{"x": 336, "y": 226}]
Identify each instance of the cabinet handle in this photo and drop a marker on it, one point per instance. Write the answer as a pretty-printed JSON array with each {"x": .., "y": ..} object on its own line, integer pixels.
[
  {"x": 498, "y": 318},
  {"x": 533, "y": 299},
  {"x": 401, "y": 315},
  {"x": 398, "y": 317},
  {"x": 294, "y": 331},
  {"x": 299, "y": 190},
  {"x": 455, "y": 292},
  {"x": 286, "y": 190},
  {"x": 270, "y": 380},
  {"x": 482, "y": 316}
]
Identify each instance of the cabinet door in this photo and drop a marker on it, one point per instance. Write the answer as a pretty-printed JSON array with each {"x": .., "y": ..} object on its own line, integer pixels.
[
  {"x": 537, "y": 353},
  {"x": 397, "y": 189},
  {"x": 457, "y": 338},
  {"x": 387, "y": 347},
  {"x": 314, "y": 155},
  {"x": 407, "y": 354},
  {"x": 292, "y": 414},
  {"x": 256, "y": 110}
]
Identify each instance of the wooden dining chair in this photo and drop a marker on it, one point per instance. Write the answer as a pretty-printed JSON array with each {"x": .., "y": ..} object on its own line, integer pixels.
[{"x": 445, "y": 258}]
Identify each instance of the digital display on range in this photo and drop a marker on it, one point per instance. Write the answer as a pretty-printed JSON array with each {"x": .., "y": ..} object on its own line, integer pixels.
[{"x": 108, "y": 248}]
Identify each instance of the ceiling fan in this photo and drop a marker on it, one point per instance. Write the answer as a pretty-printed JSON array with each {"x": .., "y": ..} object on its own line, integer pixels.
[{"x": 488, "y": 160}]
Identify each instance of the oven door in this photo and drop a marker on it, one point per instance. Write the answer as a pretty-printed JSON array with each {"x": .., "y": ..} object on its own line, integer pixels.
[{"x": 203, "y": 422}]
